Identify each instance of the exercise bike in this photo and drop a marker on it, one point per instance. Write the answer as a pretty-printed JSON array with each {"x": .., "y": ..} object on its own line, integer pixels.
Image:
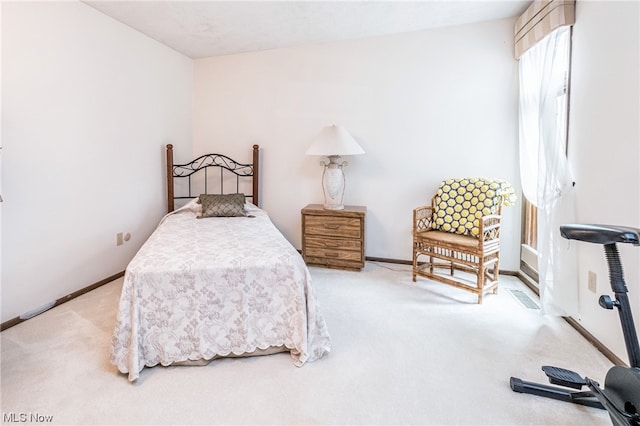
[{"x": 621, "y": 393}]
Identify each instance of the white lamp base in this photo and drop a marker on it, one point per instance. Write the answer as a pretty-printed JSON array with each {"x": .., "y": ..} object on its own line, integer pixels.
[{"x": 333, "y": 183}]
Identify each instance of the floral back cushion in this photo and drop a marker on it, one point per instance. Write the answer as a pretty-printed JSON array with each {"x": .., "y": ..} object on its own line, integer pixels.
[{"x": 460, "y": 203}]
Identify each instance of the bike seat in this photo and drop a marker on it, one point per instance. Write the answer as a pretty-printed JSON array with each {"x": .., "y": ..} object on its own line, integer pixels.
[{"x": 601, "y": 234}]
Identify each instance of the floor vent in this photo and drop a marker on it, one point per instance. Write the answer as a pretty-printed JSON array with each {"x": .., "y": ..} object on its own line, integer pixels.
[{"x": 524, "y": 300}]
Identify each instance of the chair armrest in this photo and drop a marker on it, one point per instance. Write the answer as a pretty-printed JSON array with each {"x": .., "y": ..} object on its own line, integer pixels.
[
  {"x": 422, "y": 218},
  {"x": 490, "y": 227}
]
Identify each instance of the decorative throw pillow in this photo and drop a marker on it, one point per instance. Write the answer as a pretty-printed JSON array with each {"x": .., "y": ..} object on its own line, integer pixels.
[
  {"x": 219, "y": 205},
  {"x": 461, "y": 203}
]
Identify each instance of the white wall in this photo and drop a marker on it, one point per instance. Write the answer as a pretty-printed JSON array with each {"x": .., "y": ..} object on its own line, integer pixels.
[
  {"x": 604, "y": 149},
  {"x": 424, "y": 106},
  {"x": 87, "y": 105}
]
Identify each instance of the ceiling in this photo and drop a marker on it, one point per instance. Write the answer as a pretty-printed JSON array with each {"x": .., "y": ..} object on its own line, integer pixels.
[{"x": 210, "y": 28}]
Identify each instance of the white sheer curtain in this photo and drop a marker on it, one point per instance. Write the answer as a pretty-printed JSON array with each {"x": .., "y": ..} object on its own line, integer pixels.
[{"x": 544, "y": 169}]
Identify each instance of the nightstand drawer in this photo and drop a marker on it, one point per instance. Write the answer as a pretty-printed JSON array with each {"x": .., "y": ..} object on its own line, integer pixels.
[
  {"x": 333, "y": 243},
  {"x": 333, "y": 226},
  {"x": 328, "y": 254}
]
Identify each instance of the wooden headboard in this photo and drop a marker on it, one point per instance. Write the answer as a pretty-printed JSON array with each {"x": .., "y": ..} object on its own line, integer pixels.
[{"x": 203, "y": 163}]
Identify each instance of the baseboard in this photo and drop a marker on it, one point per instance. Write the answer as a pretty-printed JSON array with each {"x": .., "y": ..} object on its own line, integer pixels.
[
  {"x": 409, "y": 262},
  {"x": 387, "y": 260},
  {"x": 528, "y": 281},
  {"x": 529, "y": 271},
  {"x": 595, "y": 342},
  {"x": 60, "y": 301}
]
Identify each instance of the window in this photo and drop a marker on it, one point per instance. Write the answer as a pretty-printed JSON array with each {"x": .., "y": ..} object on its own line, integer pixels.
[{"x": 553, "y": 83}]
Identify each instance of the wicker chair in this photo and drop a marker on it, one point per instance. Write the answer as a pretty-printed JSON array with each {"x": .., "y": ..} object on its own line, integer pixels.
[{"x": 460, "y": 232}]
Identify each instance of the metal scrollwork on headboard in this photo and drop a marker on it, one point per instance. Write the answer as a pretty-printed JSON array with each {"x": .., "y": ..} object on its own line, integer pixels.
[
  {"x": 212, "y": 160},
  {"x": 203, "y": 163}
]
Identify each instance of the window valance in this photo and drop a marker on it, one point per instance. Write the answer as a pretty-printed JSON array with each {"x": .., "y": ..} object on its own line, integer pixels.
[{"x": 540, "y": 19}]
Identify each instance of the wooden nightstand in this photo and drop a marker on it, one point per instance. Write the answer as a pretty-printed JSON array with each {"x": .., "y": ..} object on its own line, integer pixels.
[{"x": 333, "y": 238}]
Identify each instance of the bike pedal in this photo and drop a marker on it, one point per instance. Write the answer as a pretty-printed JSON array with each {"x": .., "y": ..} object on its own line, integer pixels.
[{"x": 563, "y": 377}]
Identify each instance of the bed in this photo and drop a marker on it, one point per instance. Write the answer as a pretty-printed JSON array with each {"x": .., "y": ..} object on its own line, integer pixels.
[{"x": 201, "y": 288}]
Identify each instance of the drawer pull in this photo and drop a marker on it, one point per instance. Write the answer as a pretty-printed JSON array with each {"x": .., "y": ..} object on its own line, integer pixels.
[
  {"x": 330, "y": 254},
  {"x": 331, "y": 226}
]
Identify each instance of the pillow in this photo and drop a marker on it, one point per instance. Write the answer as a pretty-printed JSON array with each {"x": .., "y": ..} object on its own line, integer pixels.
[
  {"x": 219, "y": 205},
  {"x": 460, "y": 203}
]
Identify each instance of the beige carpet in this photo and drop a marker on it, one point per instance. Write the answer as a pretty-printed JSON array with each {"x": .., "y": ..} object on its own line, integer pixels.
[{"x": 403, "y": 353}]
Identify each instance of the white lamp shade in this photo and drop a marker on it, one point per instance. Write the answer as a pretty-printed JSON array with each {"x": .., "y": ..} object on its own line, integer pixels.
[{"x": 334, "y": 140}]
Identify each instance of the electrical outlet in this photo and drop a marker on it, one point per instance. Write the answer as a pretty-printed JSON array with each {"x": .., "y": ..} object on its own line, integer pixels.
[
  {"x": 127, "y": 236},
  {"x": 591, "y": 282},
  {"x": 119, "y": 239}
]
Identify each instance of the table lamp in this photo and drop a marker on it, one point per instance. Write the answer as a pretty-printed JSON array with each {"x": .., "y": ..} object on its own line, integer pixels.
[{"x": 333, "y": 142}]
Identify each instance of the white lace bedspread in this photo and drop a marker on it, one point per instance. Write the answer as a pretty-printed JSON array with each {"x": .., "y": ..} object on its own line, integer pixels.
[{"x": 200, "y": 288}]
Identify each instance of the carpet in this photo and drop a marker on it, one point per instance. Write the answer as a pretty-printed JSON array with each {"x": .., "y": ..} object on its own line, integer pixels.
[{"x": 402, "y": 353}]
